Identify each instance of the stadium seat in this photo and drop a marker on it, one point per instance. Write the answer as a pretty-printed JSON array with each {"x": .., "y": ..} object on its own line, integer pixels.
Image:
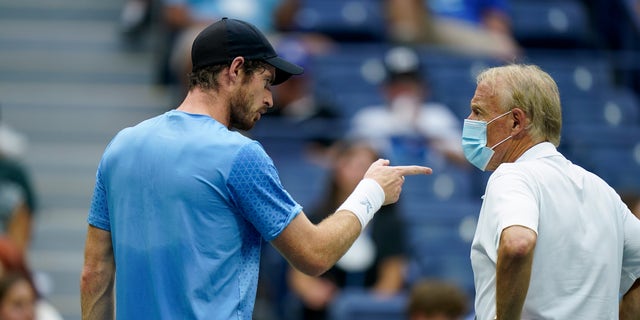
[
  {"x": 613, "y": 153},
  {"x": 354, "y": 304},
  {"x": 452, "y": 77},
  {"x": 611, "y": 107},
  {"x": 551, "y": 24},
  {"x": 351, "y": 20},
  {"x": 577, "y": 72},
  {"x": 439, "y": 237},
  {"x": 351, "y": 75}
]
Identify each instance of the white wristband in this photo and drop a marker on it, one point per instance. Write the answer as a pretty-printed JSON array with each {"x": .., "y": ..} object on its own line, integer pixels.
[{"x": 365, "y": 200}]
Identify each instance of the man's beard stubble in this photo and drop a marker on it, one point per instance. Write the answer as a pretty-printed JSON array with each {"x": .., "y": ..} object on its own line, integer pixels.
[{"x": 239, "y": 107}]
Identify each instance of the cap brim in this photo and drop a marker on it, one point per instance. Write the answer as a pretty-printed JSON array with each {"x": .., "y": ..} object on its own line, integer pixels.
[{"x": 284, "y": 69}]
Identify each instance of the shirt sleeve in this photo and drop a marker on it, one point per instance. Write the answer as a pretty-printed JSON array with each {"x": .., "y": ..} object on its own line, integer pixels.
[
  {"x": 631, "y": 253},
  {"x": 257, "y": 191},
  {"x": 99, "y": 211},
  {"x": 512, "y": 199}
]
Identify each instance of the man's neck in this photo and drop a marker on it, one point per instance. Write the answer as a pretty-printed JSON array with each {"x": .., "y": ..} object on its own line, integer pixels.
[
  {"x": 198, "y": 101},
  {"x": 522, "y": 145}
]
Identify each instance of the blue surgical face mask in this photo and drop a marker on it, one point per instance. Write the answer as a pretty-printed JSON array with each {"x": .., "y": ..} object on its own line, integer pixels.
[{"x": 474, "y": 141}]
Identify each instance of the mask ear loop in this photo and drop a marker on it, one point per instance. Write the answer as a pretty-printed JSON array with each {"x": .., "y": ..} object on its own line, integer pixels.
[
  {"x": 505, "y": 139},
  {"x": 499, "y": 143},
  {"x": 498, "y": 117}
]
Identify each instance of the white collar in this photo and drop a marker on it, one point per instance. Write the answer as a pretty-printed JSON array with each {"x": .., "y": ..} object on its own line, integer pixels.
[{"x": 540, "y": 150}]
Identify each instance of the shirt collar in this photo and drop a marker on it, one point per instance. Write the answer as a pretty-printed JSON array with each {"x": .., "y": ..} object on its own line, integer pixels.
[{"x": 540, "y": 150}]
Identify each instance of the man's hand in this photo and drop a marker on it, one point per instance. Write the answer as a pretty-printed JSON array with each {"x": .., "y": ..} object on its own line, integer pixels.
[{"x": 391, "y": 178}]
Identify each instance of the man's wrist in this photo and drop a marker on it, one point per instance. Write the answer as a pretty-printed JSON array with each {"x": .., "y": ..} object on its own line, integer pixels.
[{"x": 365, "y": 200}]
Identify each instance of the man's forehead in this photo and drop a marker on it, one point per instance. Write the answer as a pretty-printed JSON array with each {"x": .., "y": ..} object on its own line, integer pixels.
[
  {"x": 483, "y": 92},
  {"x": 485, "y": 97}
]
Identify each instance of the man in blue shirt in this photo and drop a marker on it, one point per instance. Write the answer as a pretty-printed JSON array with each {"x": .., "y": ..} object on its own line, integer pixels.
[{"x": 181, "y": 202}]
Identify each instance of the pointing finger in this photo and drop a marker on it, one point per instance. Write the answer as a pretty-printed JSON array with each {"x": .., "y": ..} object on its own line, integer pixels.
[{"x": 413, "y": 170}]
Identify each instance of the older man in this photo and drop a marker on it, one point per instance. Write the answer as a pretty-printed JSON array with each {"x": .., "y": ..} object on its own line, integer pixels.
[{"x": 553, "y": 241}]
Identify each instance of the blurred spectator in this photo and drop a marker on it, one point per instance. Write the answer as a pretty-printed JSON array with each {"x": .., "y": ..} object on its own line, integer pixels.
[
  {"x": 437, "y": 300},
  {"x": 17, "y": 298},
  {"x": 375, "y": 261},
  {"x": 471, "y": 27},
  {"x": 17, "y": 198},
  {"x": 409, "y": 129},
  {"x": 12, "y": 143},
  {"x": 186, "y": 18},
  {"x": 135, "y": 16},
  {"x": 12, "y": 262},
  {"x": 15, "y": 216},
  {"x": 17, "y": 202}
]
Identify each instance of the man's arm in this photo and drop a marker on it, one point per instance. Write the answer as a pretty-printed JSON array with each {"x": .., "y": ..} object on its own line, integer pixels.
[
  {"x": 98, "y": 274},
  {"x": 630, "y": 304},
  {"x": 513, "y": 270},
  {"x": 313, "y": 249}
]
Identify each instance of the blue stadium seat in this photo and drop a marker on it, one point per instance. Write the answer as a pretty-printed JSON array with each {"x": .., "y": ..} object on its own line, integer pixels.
[
  {"x": 354, "y": 304},
  {"x": 551, "y": 24},
  {"x": 351, "y": 75},
  {"x": 613, "y": 153},
  {"x": 351, "y": 20},
  {"x": 577, "y": 72},
  {"x": 452, "y": 77},
  {"x": 439, "y": 237},
  {"x": 612, "y": 107}
]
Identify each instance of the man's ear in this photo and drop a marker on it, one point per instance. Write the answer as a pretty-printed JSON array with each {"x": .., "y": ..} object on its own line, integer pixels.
[
  {"x": 235, "y": 68},
  {"x": 520, "y": 121}
]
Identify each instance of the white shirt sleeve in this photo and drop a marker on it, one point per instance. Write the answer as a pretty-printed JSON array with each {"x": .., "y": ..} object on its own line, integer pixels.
[
  {"x": 631, "y": 251},
  {"x": 511, "y": 197}
]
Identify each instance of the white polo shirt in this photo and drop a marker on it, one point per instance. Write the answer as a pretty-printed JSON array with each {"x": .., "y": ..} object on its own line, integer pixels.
[{"x": 588, "y": 245}]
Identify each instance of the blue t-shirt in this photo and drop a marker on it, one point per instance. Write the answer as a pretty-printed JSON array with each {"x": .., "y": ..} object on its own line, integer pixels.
[{"x": 187, "y": 202}]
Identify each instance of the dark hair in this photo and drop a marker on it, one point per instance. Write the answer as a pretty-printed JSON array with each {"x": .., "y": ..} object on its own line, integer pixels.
[
  {"x": 437, "y": 297},
  {"x": 206, "y": 78},
  {"x": 10, "y": 279}
]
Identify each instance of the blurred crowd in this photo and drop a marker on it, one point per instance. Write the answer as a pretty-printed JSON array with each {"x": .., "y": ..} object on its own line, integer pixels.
[
  {"x": 22, "y": 296},
  {"x": 407, "y": 125}
]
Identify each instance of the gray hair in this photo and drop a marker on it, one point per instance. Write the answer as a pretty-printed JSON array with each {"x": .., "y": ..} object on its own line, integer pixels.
[{"x": 534, "y": 91}]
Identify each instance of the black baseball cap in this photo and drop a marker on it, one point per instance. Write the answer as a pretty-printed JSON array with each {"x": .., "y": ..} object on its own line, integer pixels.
[{"x": 227, "y": 38}]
